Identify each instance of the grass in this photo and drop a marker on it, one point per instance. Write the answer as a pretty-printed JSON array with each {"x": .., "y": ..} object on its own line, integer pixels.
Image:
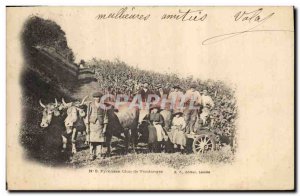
[
  {"x": 44, "y": 146},
  {"x": 49, "y": 154},
  {"x": 173, "y": 160}
]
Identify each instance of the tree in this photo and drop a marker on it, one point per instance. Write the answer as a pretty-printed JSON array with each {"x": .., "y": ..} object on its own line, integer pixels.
[{"x": 46, "y": 33}]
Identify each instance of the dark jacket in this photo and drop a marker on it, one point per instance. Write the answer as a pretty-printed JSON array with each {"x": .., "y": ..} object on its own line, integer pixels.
[
  {"x": 144, "y": 94},
  {"x": 161, "y": 94},
  {"x": 155, "y": 117}
]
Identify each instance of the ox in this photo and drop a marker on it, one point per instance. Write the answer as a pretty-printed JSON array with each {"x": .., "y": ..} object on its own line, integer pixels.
[
  {"x": 49, "y": 110},
  {"x": 121, "y": 120},
  {"x": 124, "y": 120},
  {"x": 74, "y": 122},
  {"x": 53, "y": 124}
]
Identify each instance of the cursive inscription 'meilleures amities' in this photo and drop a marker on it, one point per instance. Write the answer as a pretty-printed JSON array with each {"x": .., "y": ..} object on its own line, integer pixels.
[
  {"x": 133, "y": 13},
  {"x": 254, "y": 18}
]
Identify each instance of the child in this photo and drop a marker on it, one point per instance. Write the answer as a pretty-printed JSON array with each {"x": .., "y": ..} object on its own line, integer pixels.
[{"x": 178, "y": 137}]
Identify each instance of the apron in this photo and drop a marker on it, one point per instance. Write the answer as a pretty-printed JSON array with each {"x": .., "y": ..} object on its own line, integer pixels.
[
  {"x": 96, "y": 129},
  {"x": 178, "y": 136},
  {"x": 160, "y": 133}
]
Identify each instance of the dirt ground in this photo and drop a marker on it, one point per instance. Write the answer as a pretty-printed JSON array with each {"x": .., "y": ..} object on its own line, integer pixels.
[
  {"x": 143, "y": 157},
  {"x": 45, "y": 147}
]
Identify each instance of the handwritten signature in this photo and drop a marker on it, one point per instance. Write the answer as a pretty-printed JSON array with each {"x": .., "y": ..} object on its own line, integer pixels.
[{"x": 250, "y": 17}]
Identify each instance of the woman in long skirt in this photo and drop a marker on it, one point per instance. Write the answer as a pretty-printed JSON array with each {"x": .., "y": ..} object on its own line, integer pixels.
[
  {"x": 156, "y": 132},
  {"x": 178, "y": 137}
]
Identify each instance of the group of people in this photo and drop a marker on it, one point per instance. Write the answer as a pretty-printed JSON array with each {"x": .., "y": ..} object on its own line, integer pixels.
[
  {"x": 161, "y": 136},
  {"x": 215, "y": 98},
  {"x": 183, "y": 118},
  {"x": 116, "y": 77},
  {"x": 184, "y": 103}
]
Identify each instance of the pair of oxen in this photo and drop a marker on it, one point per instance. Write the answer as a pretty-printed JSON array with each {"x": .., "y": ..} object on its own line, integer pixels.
[{"x": 124, "y": 122}]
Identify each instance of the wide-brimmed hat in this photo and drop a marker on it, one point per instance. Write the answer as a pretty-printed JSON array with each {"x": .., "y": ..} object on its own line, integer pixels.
[
  {"x": 154, "y": 106},
  {"x": 177, "y": 112},
  {"x": 193, "y": 85},
  {"x": 97, "y": 94},
  {"x": 177, "y": 86}
]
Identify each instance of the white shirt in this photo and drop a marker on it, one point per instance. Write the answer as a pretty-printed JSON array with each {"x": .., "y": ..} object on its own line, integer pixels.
[
  {"x": 97, "y": 104},
  {"x": 175, "y": 99},
  {"x": 207, "y": 100},
  {"x": 178, "y": 121},
  {"x": 175, "y": 95},
  {"x": 193, "y": 95}
]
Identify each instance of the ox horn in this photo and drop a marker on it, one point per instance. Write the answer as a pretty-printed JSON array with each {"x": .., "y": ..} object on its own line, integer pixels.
[
  {"x": 42, "y": 104},
  {"x": 82, "y": 102},
  {"x": 63, "y": 101},
  {"x": 56, "y": 104}
]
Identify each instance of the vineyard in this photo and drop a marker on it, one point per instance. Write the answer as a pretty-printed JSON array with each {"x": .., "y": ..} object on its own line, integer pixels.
[{"x": 116, "y": 77}]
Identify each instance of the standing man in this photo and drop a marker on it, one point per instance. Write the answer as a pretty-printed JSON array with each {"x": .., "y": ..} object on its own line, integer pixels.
[
  {"x": 144, "y": 92},
  {"x": 192, "y": 104},
  {"x": 97, "y": 122},
  {"x": 175, "y": 98},
  {"x": 160, "y": 91}
]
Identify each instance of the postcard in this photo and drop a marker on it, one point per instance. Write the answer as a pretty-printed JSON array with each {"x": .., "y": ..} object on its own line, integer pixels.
[{"x": 150, "y": 98}]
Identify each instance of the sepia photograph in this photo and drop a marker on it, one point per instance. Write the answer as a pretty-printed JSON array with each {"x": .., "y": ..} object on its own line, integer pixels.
[
  {"x": 99, "y": 109},
  {"x": 199, "y": 97}
]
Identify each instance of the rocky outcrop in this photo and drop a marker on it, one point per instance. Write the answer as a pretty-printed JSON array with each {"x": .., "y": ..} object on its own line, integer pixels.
[{"x": 56, "y": 71}]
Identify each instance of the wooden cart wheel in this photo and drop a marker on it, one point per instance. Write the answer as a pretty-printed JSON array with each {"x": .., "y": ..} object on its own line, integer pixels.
[{"x": 203, "y": 143}]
